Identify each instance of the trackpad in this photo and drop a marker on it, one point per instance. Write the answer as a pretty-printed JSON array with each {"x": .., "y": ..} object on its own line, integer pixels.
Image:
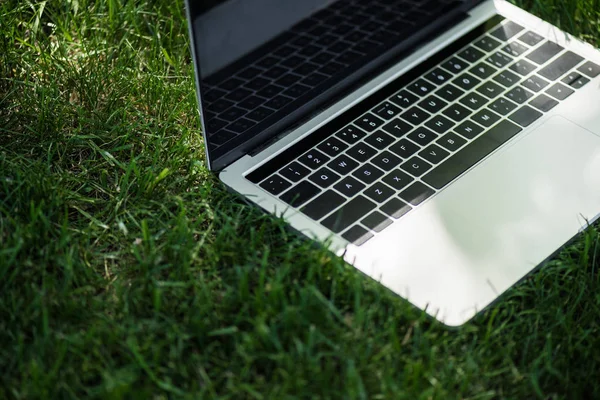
[{"x": 488, "y": 229}]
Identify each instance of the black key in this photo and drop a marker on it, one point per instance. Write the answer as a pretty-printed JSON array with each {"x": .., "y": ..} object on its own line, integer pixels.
[
  {"x": 386, "y": 110},
  {"x": 313, "y": 159},
  {"x": 367, "y": 173},
  {"x": 309, "y": 50},
  {"x": 404, "y": 148},
  {"x": 368, "y": 122},
  {"x": 404, "y": 99},
  {"x": 314, "y": 79},
  {"x": 421, "y": 87},
  {"x": 351, "y": 134},
  {"x": 215, "y": 125},
  {"x": 379, "y": 139},
  {"x": 284, "y": 51},
  {"x": 468, "y": 129},
  {"x": 259, "y": 114},
  {"x": 439, "y": 123},
  {"x": 415, "y": 115},
  {"x": 231, "y": 84},
  {"x": 292, "y": 62},
  {"x": 507, "y": 30},
  {"x": 250, "y": 103},
  {"x": 241, "y": 125},
  {"x": 398, "y": 179},
  {"x": 332, "y": 68},
  {"x": 343, "y": 164},
  {"x": 519, "y": 95},
  {"x": 296, "y": 91},
  {"x": 376, "y": 221},
  {"x": 575, "y": 80},
  {"x": 471, "y": 54},
  {"x": 535, "y": 83},
  {"x": 471, "y": 154},
  {"x": 560, "y": 66},
  {"x": 278, "y": 102},
  {"x": 233, "y": 113},
  {"x": 323, "y": 205},
  {"x": 397, "y": 128},
  {"x": 559, "y": 91},
  {"x": 450, "y": 92},
  {"x": 499, "y": 60},
  {"x": 523, "y": 67},
  {"x": 379, "y": 192},
  {"x": 275, "y": 184},
  {"x": 294, "y": 172},
  {"x": 530, "y": 38},
  {"x": 457, "y": 112},
  {"x": 590, "y": 69},
  {"x": 490, "y": 89},
  {"x": 239, "y": 94},
  {"x": 451, "y": 141},
  {"x": 349, "y": 186},
  {"x": 543, "y": 103},
  {"x": 483, "y": 70},
  {"x": 361, "y": 152},
  {"x": 221, "y": 138},
  {"x": 270, "y": 91},
  {"x": 487, "y": 43},
  {"x": 432, "y": 104},
  {"x": 486, "y": 117},
  {"x": 386, "y": 160},
  {"x": 416, "y": 193},
  {"x": 220, "y": 105},
  {"x": 323, "y": 58},
  {"x": 257, "y": 83},
  {"x": 525, "y": 116},
  {"x": 434, "y": 154},
  {"x": 515, "y": 49},
  {"x": 438, "y": 76},
  {"x": 300, "y": 194},
  {"x": 357, "y": 235},
  {"x": 249, "y": 73},
  {"x": 455, "y": 65},
  {"x": 416, "y": 166},
  {"x": 349, "y": 57},
  {"x": 422, "y": 136},
  {"x": 545, "y": 52},
  {"x": 348, "y": 214},
  {"x": 507, "y": 78},
  {"x": 503, "y": 106},
  {"x": 267, "y": 62},
  {"x": 474, "y": 101},
  {"x": 466, "y": 81},
  {"x": 395, "y": 208},
  {"x": 332, "y": 146},
  {"x": 324, "y": 177}
]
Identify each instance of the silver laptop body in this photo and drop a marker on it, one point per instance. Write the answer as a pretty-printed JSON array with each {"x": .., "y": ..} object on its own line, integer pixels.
[{"x": 490, "y": 222}]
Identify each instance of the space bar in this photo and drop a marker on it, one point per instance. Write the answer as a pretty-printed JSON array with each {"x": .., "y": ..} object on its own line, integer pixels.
[{"x": 471, "y": 154}]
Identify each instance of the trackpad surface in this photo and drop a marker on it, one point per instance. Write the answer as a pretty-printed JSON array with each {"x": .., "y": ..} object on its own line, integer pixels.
[{"x": 488, "y": 229}]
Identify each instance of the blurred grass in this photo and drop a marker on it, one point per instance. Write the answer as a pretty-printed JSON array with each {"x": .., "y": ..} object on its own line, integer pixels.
[{"x": 127, "y": 271}]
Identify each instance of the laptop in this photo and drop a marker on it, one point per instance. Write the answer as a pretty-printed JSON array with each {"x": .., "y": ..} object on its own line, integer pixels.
[{"x": 445, "y": 148}]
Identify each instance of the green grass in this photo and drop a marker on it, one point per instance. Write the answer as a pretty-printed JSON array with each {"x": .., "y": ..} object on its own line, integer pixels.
[{"x": 128, "y": 271}]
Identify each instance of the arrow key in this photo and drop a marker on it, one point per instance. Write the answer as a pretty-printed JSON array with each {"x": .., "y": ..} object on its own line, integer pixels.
[{"x": 559, "y": 91}]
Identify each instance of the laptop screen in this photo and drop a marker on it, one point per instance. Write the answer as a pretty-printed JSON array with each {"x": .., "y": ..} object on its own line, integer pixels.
[{"x": 265, "y": 65}]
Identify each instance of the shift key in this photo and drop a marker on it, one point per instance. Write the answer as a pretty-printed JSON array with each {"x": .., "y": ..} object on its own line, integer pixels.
[
  {"x": 560, "y": 66},
  {"x": 348, "y": 214}
]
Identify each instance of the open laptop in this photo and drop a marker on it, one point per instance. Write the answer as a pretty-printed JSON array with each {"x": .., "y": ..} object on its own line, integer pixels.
[{"x": 445, "y": 148}]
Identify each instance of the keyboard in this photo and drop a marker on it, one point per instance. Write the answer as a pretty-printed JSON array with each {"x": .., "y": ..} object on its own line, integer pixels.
[
  {"x": 305, "y": 60},
  {"x": 372, "y": 170}
]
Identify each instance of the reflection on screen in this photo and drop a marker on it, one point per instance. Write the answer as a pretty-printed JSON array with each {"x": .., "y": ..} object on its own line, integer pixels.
[{"x": 261, "y": 61}]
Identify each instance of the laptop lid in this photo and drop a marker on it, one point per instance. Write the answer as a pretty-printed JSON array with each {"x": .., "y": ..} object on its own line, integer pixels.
[{"x": 264, "y": 66}]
